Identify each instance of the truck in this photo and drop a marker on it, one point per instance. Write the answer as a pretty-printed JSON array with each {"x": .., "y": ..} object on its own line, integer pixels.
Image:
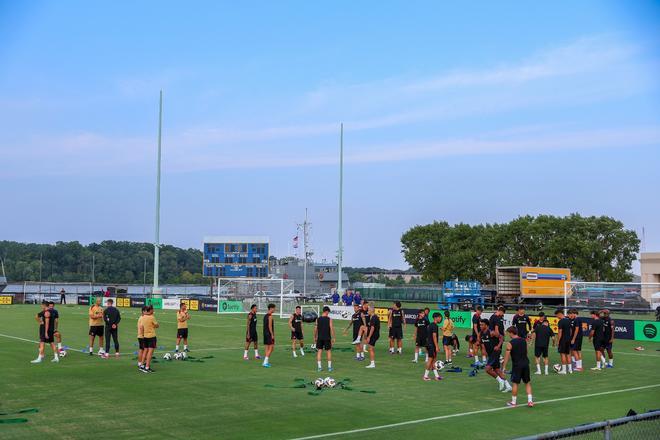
[{"x": 531, "y": 285}]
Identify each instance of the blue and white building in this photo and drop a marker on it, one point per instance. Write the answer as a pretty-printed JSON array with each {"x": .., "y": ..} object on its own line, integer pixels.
[{"x": 236, "y": 256}]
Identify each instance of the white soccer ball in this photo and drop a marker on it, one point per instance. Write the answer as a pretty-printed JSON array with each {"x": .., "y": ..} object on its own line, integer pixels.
[
  {"x": 184, "y": 356},
  {"x": 62, "y": 353},
  {"x": 329, "y": 382},
  {"x": 318, "y": 383},
  {"x": 167, "y": 356},
  {"x": 439, "y": 365},
  {"x": 557, "y": 368},
  {"x": 177, "y": 356}
]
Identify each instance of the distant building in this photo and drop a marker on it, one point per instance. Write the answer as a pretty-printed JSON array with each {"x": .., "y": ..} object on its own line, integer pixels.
[
  {"x": 650, "y": 265},
  {"x": 236, "y": 256},
  {"x": 321, "y": 277}
]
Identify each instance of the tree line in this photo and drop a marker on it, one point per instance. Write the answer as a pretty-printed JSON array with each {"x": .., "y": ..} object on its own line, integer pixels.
[
  {"x": 594, "y": 248},
  {"x": 108, "y": 262}
]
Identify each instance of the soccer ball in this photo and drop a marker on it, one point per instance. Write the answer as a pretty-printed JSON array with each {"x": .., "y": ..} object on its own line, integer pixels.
[
  {"x": 439, "y": 365},
  {"x": 62, "y": 353},
  {"x": 329, "y": 382},
  {"x": 184, "y": 356},
  {"x": 177, "y": 356},
  {"x": 167, "y": 356},
  {"x": 557, "y": 368},
  {"x": 318, "y": 383}
]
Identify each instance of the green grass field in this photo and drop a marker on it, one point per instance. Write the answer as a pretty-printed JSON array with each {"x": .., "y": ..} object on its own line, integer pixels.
[{"x": 226, "y": 397}]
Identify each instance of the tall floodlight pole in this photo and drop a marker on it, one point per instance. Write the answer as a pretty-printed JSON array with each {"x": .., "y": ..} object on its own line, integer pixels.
[
  {"x": 306, "y": 255},
  {"x": 156, "y": 290},
  {"x": 340, "y": 254}
]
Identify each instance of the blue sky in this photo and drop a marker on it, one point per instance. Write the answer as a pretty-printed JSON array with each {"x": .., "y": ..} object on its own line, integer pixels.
[{"x": 466, "y": 113}]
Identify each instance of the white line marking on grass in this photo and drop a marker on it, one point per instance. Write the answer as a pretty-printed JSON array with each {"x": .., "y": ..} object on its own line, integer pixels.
[
  {"x": 469, "y": 413},
  {"x": 33, "y": 341}
]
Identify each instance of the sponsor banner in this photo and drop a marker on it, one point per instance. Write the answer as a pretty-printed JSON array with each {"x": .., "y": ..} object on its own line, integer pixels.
[
  {"x": 411, "y": 315},
  {"x": 230, "y": 307},
  {"x": 508, "y": 317},
  {"x": 138, "y": 302},
  {"x": 382, "y": 313},
  {"x": 461, "y": 319},
  {"x": 209, "y": 305},
  {"x": 646, "y": 331},
  {"x": 156, "y": 303},
  {"x": 624, "y": 329},
  {"x": 6, "y": 300},
  {"x": 192, "y": 304},
  {"x": 342, "y": 313},
  {"x": 123, "y": 302},
  {"x": 83, "y": 300},
  {"x": 171, "y": 303}
]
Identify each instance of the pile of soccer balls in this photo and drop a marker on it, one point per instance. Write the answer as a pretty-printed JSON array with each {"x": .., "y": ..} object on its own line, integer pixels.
[
  {"x": 177, "y": 356},
  {"x": 328, "y": 382}
]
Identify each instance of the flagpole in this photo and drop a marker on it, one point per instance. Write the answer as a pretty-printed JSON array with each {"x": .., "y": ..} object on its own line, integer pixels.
[
  {"x": 340, "y": 254},
  {"x": 305, "y": 258},
  {"x": 156, "y": 290}
]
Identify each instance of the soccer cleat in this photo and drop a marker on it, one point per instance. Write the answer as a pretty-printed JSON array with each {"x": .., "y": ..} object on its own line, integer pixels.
[
  {"x": 245, "y": 358},
  {"x": 257, "y": 357},
  {"x": 55, "y": 359},
  {"x": 425, "y": 378},
  {"x": 295, "y": 355},
  {"x": 149, "y": 370},
  {"x": 530, "y": 404},
  {"x": 142, "y": 369},
  {"x": 562, "y": 372},
  {"x": 37, "y": 361},
  {"x": 370, "y": 366},
  {"x": 266, "y": 365},
  {"x": 356, "y": 341},
  {"x": 501, "y": 385},
  {"x": 330, "y": 369},
  {"x": 91, "y": 353},
  {"x": 538, "y": 373},
  {"x": 414, "y": 361},
  {"x": 578, "y": 370},
  {"x": 507, "y": 389},
  {"x": 105, "y": 356},
  {"x": 511, "y": 404},
  {"x": 438, "y": 378},
  {"x": 609, "y": 366},
  {"x": 595, "y": 369},
  {"x": 319, "y": 369},
  {"x": 117, "y": 355}
]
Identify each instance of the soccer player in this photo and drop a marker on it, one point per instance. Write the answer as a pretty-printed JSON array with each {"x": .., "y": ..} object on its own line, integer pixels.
[
  {"x": 324, "y": 335},
  {"x": 521, "y": 322},
  {"x": 182, "y": 318},
  {"x": 140, "y": 338},
  {"x": 297, "y": 337},
  {"x": 46, "y": 334},
  {"x": 475, "y": 339},
  {"x": 608, "y": 327},
  {"x": 269, "y": 334},
  {"x": 364, "y": 330},
  {"x": 447, "y": 333},
  {"x": 251, "y": 336},
  {"x": 111, "y": 317},
  {"x": 373, "y": 335},
  {"x": 576, "y": 338},
  {"x": 564, "y": 341},
  {"x": 55, "y": 315},
  {"x": 96, "y": 326},
  {"x": 357, "y": 322},
  {"x": 432, "y": 348},
  {"x": 492, "y": 341},
  {"x": 516, "y": 350},
  {"x": 496, "y": 322},
  {"x": 542, "y": 334},
  {"x": 62, "y": 296},
  {"x": 149, "y": 326},
  {"x": 396, "y": 322},
  {"x": 597, "y": 336},
  {"x": 420, "y": 334}
]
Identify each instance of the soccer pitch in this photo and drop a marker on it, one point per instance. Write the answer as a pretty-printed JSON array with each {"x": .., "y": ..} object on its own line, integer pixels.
[{"x": 226, "y": 397}]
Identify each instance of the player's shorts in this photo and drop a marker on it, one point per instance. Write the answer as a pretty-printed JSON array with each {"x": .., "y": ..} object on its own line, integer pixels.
[
  {"x": 447, "y": 340},
  {"x": 252, "y": 337},
  {"x": 49, "y": 339},
  {"x": 297, "y": 334},
  {"x": 541, "y": 352},
  {"x": 182, "y": 333},
  {"x": 421, "y": 341},
  {"x": 396, "y": 332},
  {"x": 564, "y": 346},
  {"x": 96, "y": 330},
  {"x": 494, "y": 360},
  {"x": 269, "y": 339},
  {"x": 577, "y": 346},
  {"x": 150, "y": 342},
  {"x": 373, "y": 340},
  {"x": 599, "y": 345},
  {"x": 430, "y": 350},
  {"x": 324, "y": 344},
  {"x": 141, "y": 344},
  {"x": 356, "y": 333},
  {"x": 519, "y": 373},
  {"x": 473, "y": 338},
  {"x": 607, "y": 345}
]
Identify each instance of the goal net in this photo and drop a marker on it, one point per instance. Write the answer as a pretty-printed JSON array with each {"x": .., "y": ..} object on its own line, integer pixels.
[
  {"x": 237, "y": 295},
  {"x": 35, "y": 291},
  {"x": 613, "y": 296}
]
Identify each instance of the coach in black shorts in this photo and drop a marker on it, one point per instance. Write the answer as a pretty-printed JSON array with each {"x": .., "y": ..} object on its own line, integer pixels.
[{"x": 516, "y": 350}]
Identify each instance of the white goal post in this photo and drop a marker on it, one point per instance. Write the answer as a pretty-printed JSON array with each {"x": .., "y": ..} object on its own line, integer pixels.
[
  {"x": 237, "y": 295},
  {"x": 611, "y": 295}
]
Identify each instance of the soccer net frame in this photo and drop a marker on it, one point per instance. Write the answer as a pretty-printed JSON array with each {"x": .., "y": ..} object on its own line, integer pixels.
[
  {"x": 595, "y": 294},
  {"x": 259, "y": 291}
]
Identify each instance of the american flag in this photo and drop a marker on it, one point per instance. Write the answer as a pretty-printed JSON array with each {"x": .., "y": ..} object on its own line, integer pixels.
[{"x": 295, "y": 242}]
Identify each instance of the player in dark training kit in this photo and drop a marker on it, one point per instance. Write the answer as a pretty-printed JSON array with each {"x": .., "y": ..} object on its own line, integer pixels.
[
  {"x": 58, "y": 335},
  {"x": 564, "y": 341},
  {"x": 542, "y": 334},
  {"x": 475, "y": 341},
  {"x": 324, "y": 335},
  {"x": 608, "y": 328},
  {"x": 295, "y": 324},
  {"x": 576, "y": 339},
  {"x": 420, "y": 334},
  {"x": 432, "y": 347},
  {"x": 46, "y": 334},
  {"x": 492, "y": 342},
  {"x": 597, "y": 336},
  {"x": 516, "y": 350},
  {"x": 251, "y": 336},
  {"x": 357, "y": 321},
  {"x": 396, "y": 323},
  {"x": 269, "y": 334},
  {"x": 522, "y": 323},
  {"x": 373, "y": 335}
]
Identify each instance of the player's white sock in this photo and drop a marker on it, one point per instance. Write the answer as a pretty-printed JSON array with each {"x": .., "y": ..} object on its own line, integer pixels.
[
  {"x": 362, "y": 355},
  {"x": 245, "y": 353},
  {"x": 612, "y": 362},
  {"x": 176, "y": 348},
  {"x": 546, "y": 369},
  {"x": 499, "y": 380},
  {"x": 603, "y": 360},
  {"x": 416, "y": 356},
  {"x": 579, "y": 363},
  {"x": 426, "y": 373},
  {"x": 256, "y": 352},
  {"x": 318, "y": 364},
  {"x": 265, "y": 360},
  {"x": 435, "y": 373},
  {"x": 598, "y": 364},
  {"x": 302, "y": 352},
  {"x": 529, "y": 398},
  {"x": 513, "y": 399},
  {"x": 538, "y": 368},
  {"x": 573, "y": 359},
  {"x": 506, "y": 383},
  {"x": 91, "y": 349},
  {"x": 185, "y": 347},
  {"x": 400, "y": 349},
  {"x": 484, "y": 358},
  {"x": 372, "y": 363},
  {"x": 365, "y": 347},
  {"x": 59, "y": 345},
  {"x": 563, "y": 368},
  {"x": 329, "y": 364},
  {"x": 294, "y": 353},
  {"x": 570, "y": 368}
]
